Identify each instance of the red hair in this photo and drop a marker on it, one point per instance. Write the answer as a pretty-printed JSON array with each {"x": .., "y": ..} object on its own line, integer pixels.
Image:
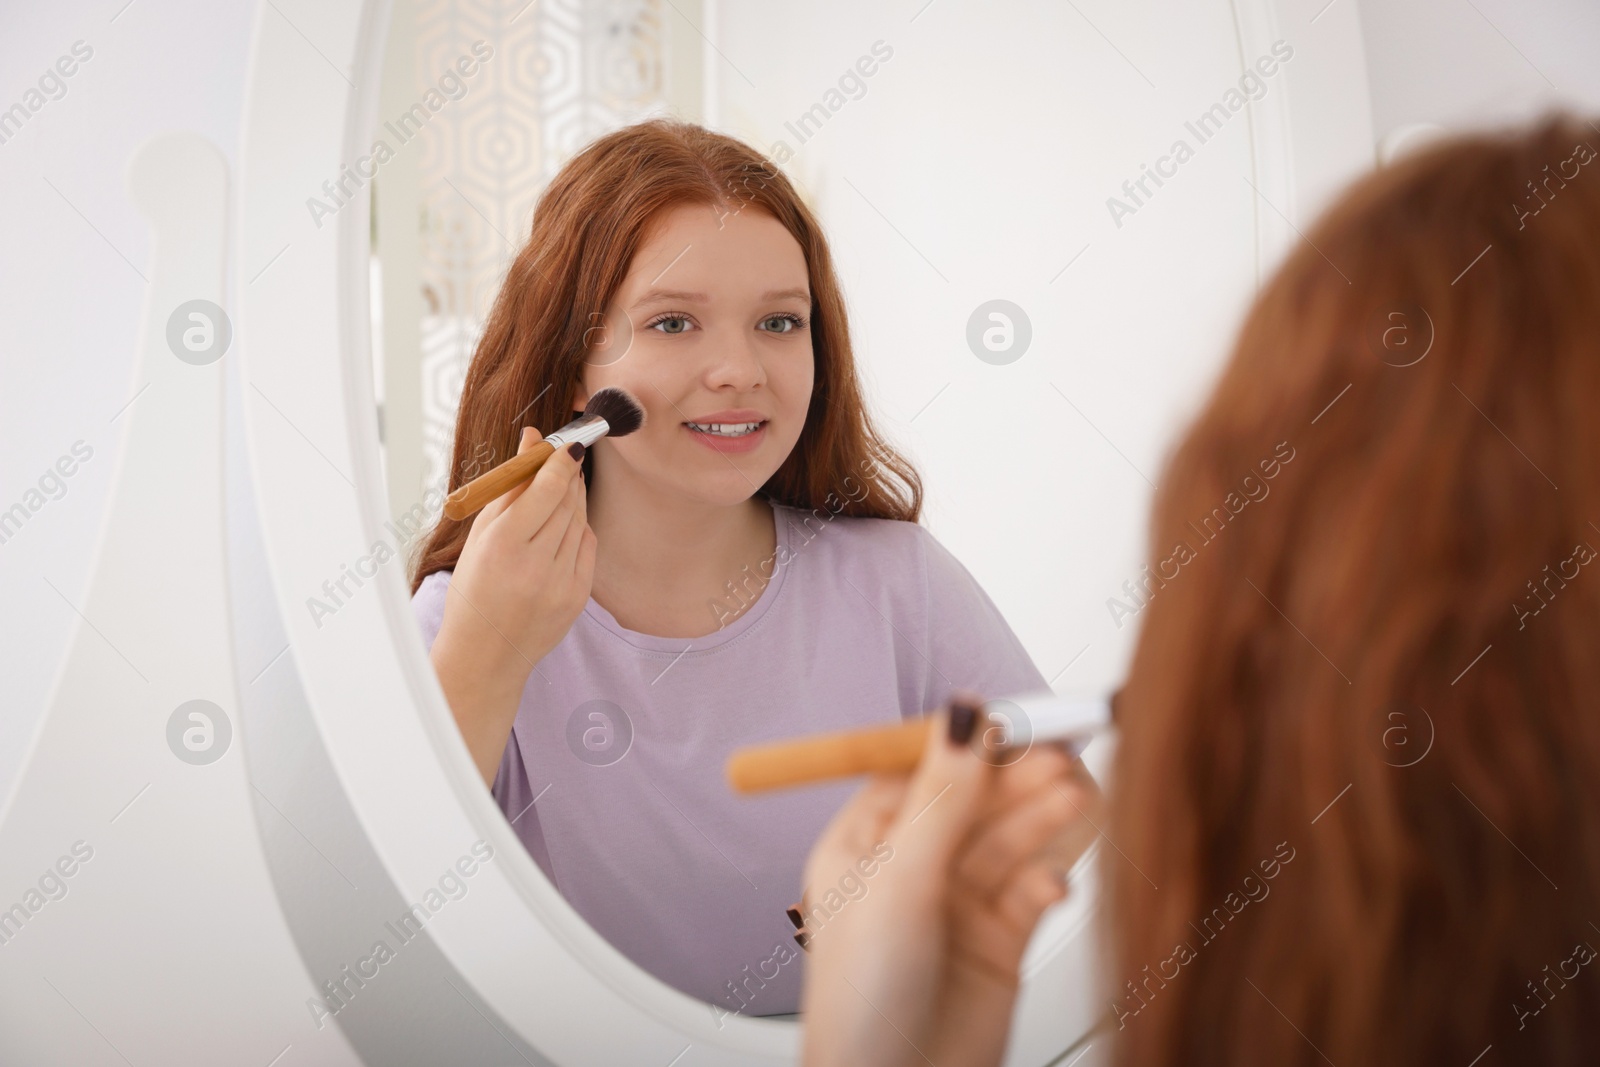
[
  {"x": 588, "y": 224},
  {"x": 1414, "y": 568}
]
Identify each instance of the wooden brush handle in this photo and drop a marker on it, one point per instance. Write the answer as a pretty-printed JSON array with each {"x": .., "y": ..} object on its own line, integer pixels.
[
  {"x": 874, "y": 750},
  {"x": 472, "y": 497}
]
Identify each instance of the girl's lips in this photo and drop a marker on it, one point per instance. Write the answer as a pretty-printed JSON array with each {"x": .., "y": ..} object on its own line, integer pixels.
[{"x": 717, "y": 443}]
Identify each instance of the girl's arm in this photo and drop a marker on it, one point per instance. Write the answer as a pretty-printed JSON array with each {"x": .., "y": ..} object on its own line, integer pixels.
[{"x": 524, "y": 575}]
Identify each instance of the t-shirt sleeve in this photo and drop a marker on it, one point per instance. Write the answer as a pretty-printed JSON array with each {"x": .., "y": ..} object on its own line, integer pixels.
[
  {"x": 427, "y": 604},
  {"x": 511, "y": 790},
  {"x": 515, "y": 797},
  {"x": 970, "y": 644}
]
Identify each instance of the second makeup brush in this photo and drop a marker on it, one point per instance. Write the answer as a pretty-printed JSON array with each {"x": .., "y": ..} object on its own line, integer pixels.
[{"x": 1034, "y": 718}]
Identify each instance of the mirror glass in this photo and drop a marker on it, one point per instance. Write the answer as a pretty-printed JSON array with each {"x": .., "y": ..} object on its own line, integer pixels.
[{"x": 983, "y": 178}]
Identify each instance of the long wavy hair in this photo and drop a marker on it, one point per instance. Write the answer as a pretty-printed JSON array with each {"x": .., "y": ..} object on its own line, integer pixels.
[
  {"x": 1358, "y": 788},
  {"x": 587, "y": 226}
]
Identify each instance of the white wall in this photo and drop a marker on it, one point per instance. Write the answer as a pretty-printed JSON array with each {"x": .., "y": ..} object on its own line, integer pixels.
[
  {"x": 1462, "y": 64},
  {"x": 71, "y": 266},
  {"x": 977, "y": 165}
]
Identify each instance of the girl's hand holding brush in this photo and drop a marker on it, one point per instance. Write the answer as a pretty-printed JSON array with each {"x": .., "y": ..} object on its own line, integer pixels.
[
  {"x": 523, "y": 577},
  {"x": 924, "y": 965}
]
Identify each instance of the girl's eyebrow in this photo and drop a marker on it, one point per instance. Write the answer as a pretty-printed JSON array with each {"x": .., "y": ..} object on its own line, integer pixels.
[
  {"x": 681, "y": 296},
  {"x": 678, "y": 295}
]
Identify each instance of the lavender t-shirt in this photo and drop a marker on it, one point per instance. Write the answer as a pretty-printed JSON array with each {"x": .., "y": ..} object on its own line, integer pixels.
[{"x": 622, "y": 738}]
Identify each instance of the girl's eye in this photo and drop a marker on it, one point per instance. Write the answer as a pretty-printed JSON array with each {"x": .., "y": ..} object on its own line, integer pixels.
[
  {"x": 670, "y": 324},
  {"x": 785, "y": 323}
]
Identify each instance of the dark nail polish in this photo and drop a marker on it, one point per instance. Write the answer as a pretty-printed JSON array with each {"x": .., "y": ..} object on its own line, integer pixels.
[
  {"x": 963, "y": 717},
  {"x": 804, "y": 940},
  {"x": 575, "y": 450},
  {"x": 795, "y": 917}
]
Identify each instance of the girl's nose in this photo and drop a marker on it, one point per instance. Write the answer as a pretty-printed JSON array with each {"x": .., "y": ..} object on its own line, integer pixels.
[{"x": 736, "y": 362}]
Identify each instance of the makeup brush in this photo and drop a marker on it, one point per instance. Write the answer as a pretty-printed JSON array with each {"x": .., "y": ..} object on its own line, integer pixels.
[
  {"x": 611, "y": 412},
  {"x": 1007, "y": 728}
]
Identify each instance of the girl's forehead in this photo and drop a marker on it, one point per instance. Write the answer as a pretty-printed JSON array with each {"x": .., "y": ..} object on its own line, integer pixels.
[
  {"x": 717, "y": 227},
  {"x": 694, "y": 248}
]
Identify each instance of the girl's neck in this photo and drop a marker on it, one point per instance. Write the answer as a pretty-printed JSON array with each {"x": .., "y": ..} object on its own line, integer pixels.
[{"x": 663, "y": 562}]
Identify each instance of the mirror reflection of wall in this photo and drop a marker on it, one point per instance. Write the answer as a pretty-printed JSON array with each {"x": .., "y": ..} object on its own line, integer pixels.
[{"x": 482, "y": 102}]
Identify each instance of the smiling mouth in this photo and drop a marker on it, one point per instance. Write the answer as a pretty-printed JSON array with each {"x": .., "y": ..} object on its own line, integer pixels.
[{"x": 726, "y": 429}]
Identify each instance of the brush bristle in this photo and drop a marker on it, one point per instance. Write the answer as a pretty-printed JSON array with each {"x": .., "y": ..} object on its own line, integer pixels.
[{"x": 617, "y": 406}]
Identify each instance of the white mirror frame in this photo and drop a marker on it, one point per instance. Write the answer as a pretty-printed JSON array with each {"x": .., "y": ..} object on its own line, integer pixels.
[{"x": 376, "y": 703}]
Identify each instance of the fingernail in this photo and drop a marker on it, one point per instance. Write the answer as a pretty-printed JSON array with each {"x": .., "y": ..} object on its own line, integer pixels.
[
  {"x": 795, "y": 917},
  {"x": 575, "y": 450},
  {"x": 803, "y": 940},
  {"x": 963, "y": 717}
]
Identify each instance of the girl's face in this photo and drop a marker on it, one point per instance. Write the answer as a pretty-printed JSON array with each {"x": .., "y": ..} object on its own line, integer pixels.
[{"x": 710, "y": 331}]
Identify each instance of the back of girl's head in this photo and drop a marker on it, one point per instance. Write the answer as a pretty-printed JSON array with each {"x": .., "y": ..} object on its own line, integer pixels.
[
  {"x": 590, "y": 220},
  {"x": 1359, "y": 781}
]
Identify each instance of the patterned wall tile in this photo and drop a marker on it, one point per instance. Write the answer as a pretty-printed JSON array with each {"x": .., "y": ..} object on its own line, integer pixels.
[{"x": 562, "y": 73}]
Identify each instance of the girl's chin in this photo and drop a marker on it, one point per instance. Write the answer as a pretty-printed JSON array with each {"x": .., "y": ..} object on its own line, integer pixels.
[{"x": 728, "y": 488}]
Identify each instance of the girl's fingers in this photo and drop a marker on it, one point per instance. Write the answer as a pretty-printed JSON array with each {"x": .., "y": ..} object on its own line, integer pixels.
[
  {"x": 566, "y": 514},
  {"x": 1024, "y": 898},
  {"x": 856, "y": 828},
  {"x": 946, "y": 791},
  {"x": 992, "y": 935},
  {"x": 535, "y": 501},
  {"x": 580, "y": 509},
  {"x": 493, "y": 509},
  {"x": 583, "y": 568},
  {"x": 879, "y": 801},
  {"x": 567, "y": 554},
  {"x": 864, "y": 817},
  {"x": 1015, "y": 836},
  {"x": 1017, "y": 781}
]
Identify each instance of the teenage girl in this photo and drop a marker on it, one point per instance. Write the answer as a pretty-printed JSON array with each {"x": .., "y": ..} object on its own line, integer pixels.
[{"x": 747, "y": 566}]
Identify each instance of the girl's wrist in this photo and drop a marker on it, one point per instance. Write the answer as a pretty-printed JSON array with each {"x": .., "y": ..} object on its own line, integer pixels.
[{"x": 480, "y": 672}]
